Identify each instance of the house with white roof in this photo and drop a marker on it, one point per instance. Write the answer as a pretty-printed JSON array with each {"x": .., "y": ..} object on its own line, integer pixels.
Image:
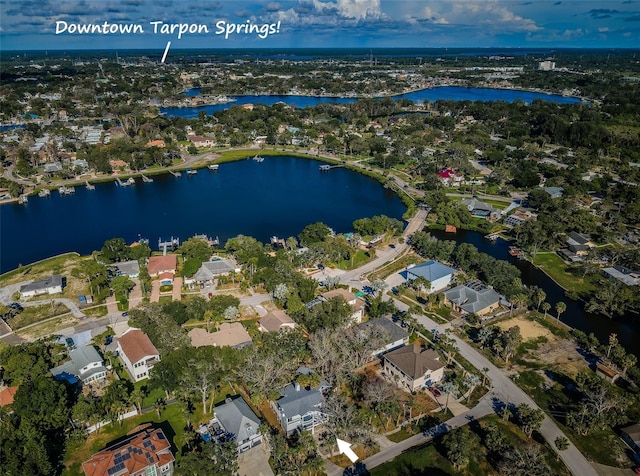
[{"x": 438, "y": 274}]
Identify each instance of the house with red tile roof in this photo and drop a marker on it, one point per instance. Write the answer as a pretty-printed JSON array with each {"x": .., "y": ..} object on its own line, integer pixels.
[
  {"x": 162, "y": 264},
  {"x": 7, "y": 395},
  {"x": 450, "y": 178},
  {"x": 137, "y": 353},
  {"x": 144, "y": 453}
]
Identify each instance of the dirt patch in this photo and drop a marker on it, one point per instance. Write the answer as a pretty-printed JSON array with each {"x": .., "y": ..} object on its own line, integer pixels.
[
  {"x": 561, "y": 354},
  {"x": 529, "y": 330}
]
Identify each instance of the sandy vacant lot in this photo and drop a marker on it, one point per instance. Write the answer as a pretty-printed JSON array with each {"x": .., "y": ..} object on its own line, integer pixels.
[{"x": 528, "y": 329}]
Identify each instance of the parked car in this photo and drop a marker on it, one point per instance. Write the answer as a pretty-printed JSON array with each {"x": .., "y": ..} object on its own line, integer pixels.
[
  {"x": 434, "y": 391},
  {"x": 125, "y": 314},
  {"x": 70, "y": 343}
]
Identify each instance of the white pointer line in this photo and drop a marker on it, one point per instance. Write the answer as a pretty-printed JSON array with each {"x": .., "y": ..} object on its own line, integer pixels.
[{"x": 166, "y": 50}]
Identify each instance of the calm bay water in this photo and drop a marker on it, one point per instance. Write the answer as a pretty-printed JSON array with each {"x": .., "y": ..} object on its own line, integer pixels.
[
  {"x": 279, "y": 196},
  {"x": 454, "y": 93}
]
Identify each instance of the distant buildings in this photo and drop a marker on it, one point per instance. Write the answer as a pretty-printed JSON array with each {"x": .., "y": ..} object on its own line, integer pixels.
[
  {"x": 546, "y": 65},
  {"x": 50, "y": 285},
  {"x": 137, "y": 353},
  {"x": 147, "y": 453}
]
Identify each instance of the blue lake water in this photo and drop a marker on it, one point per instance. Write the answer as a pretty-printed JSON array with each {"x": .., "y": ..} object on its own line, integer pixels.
[
  {"x": 279, "y": 196},
  {"x": 454, "y": 93}
]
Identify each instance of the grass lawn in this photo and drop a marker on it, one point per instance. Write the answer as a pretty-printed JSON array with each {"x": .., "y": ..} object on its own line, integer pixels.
[
  {"x": 32, "y": 314},
  {"x": 425, "y": 460},
  {"x": 358, "y": 259},
  {"x": 553, "y": 265},
  {"x": 39, "y": 270},
  {"x": 97, "y": 311},
  {"x": 165, "y": 299},
  {"x": 395, "y": 266}
]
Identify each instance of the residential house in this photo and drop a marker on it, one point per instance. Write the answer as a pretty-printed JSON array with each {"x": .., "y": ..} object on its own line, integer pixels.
[
  {"x": 481, "y": 209},
  {"x": 131, "y": 269},
  {"x": 623, "y": 274},
  {"x": 438, "y": 275},
  {"x": 235, "y": 417},
  {"x": 631, "y": 435},
  {"x": 357, "y": 304},
  {"x": 394, "y": 335},
  {"x": 449, "y": 178},
  {"x": 578, "y": 243},
  {"x": 50, "y": 285},
  {"x": 138, "y": 353},
  {"x": 231, "y": 334},
  {"x": 300, "y": 408},
  {"x": 519, "y": 217},
  {"x": 412, "y": 367},
  {"x": 7, "y": 395},
  {"x": 199, "y": 141},
  {"x": 473, "y": 298},
  {"x": 554, "y": 192},
  {"x": 162, "y": 264},
  {"x": 209, "y": 270},
  {"x": 52, "y": 168},
  {"x": 155, "y": 143},
  {"x": 276, "y": 321},
  {"x": 85, "y": 365},
  {"x": 145, "y": 453}
]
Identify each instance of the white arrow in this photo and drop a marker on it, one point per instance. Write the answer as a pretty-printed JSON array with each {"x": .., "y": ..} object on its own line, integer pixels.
[{"x": 345, "y": 449}]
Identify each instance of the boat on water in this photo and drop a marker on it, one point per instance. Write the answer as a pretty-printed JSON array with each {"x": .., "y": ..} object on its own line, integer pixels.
[
  {"x": 90, "y": 186},
  {"x": 214, "y": 166},
  {"x": 62, "y": 190},
  {"x": 130, "y": 181},
  {"x": 257, "y": 158},
  {"x": 191, "y": 171},
  {"x": 23, "y": 199},
  {"x": 45, "y": 192},
  {"x": 515, "y": 251}
]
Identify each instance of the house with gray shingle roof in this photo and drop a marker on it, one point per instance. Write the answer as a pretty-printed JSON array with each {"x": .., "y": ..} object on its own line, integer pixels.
[
  {"x": 438, "y": 275},
  {"x": 130, "y": 269},
  {"x": 235, "y": 417},
  {"x": 481, "y": 209},
  {"x": 300, "y": 408},
  {"x": 623, "y": 274},
  {"x": 85, "y": 365},
  {"x": 473, "y": 298},
  {"x": 211, "y": 269},
  {"x": 50, "y": 285},
  {"x": 394, "y": 335}
]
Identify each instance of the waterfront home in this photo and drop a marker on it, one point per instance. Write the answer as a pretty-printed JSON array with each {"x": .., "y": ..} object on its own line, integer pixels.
[
  {"x": 235, "y": 417},
  {"x": 579, "y": 243},
  {"x": 86, "y": 365},
  {"x": 413, "y": 368},
  {"x": 199, "y": 141},
  {"x": 162, "y": 264},
  {"x": 481, "y": 209},
  {"x": 623, "y": 274},
  {"x": 209, "y": 270},
  {"x": 473, "y": 298},
  {"x": 51, "y": 285},
  {"x": 231, "y": 334},
  {"x": 393, "y": 335},
  {"x": 138, "y": 353},
  {"x": 300, "y": 408},
  {"x": 52, "y": 168},
  {"x": 437, "y": 274},
  {"x": 131, "y": 269},
  {"x": 519, "y": 217},
  {"x": 357, "y": 304},
  {"x": 276, "y": 321},
  {"x": 147, "y": 452}
]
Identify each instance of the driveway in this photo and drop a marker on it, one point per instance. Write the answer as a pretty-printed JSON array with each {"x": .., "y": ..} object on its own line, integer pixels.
[
  {"x": 155, "y": 291},
  {"x": 255, "y": 462}
]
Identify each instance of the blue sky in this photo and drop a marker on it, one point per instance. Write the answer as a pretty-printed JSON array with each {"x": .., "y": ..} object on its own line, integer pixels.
[{"x": 31, "y": 24}]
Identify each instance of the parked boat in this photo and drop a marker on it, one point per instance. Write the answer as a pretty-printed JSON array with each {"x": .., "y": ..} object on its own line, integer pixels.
[
  {"x": 191, "y": 171},
  {"x": 514, "y": 251},
  {"x": 23, "y": 199},
  {"x": 131, "y": 181},
  {"x": 45, "y": 192},
  {"x": 257, "y": 158},
  {"x": 214, "y": 166},
  {"x": 66, "y": 190}
]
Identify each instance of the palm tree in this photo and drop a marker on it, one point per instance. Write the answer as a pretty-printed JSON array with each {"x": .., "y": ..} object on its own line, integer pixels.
[
  {"x": 471, "y": 381},
  {"x": 562, "y": 443},
  {"x": 137, "y": 396},
  {"x": 159, "y": 406},
  {"x": 560, "y": 308},
  {"x": 546, "y": 307},
  {"x": 539, "y": 296},
  {"x": 449, "y": 388},
  {"x": 485, "y": 371}
]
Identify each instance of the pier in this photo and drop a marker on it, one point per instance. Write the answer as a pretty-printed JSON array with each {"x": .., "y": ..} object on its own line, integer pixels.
[
  {"x": 191, "y": 171},
  {"x": 129, "y": 181},
  {"x": 89, "y": 186},
  {"x": 146, "y": 179},
  {"x": 175, "y": 174},
  {"x": 327, "y": 167},
  {"x": 173, "y": 244}
]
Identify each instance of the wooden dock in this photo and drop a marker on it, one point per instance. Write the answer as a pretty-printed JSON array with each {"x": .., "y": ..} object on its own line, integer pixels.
[
  {"x": 175, "y": 174},
  {"x": 146, "y": 179},
  {"x": 89, "y": 186},
  {"x": 327, "y": 167}
]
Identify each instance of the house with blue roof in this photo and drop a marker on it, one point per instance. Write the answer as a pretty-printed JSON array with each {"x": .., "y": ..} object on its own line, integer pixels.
[{"x": 438, "y": 274}]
